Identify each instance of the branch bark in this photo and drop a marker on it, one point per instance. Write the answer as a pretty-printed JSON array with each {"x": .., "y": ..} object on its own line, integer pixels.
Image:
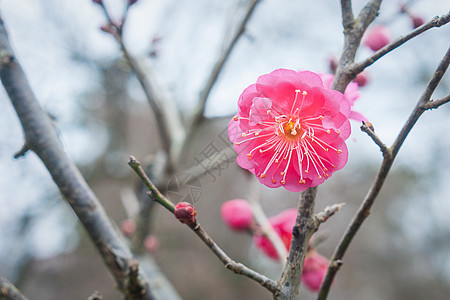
[
  {"x": 42, "y": 138},
  {"x": 8, "y": 291},
  {"x": 305, "y": 225}
]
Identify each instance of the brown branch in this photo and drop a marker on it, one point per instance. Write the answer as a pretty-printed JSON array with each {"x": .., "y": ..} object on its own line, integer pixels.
[
  {"x": 347, "y": 14},
  {"x": 436, "y": 103},
  {"x": 364, "y": 210},
  {"x": 230, "y": 264},
  {"x": 384, "y": 149},
  {"x": 8, "y": 291},
  {"x": 42, "y": 138},
  {"x": 436, "y": 22},
  {"x": 302, "y": 232},
  {"x": 353, "y": 33}
]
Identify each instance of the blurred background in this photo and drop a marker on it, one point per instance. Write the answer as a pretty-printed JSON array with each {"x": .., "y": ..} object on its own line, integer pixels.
[{"x": 80, "y": 78}]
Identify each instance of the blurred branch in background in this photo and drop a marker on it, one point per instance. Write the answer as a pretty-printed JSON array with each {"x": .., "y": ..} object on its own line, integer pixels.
[
  {"x": 8, "y": 291},
  {"x": 41, "y": 137}
]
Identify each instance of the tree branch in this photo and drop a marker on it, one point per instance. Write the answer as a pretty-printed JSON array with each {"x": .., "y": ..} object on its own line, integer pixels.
[
  {"x": 41, "y": 137},
  {"x": 154, "y": 98},
  {"x": 8, "y": 291},
  {"x": 384, "y": 149},
  {"x": 436, "y": 103},
  {"x": 223, "y": 57},
  {"x": 436, "y": 22},
  {"x": 302, "y": 232},
  {"x": 327, "y": 212},
  {"x": 353, "y": 35},
  {"x": 348, "y": 19},
  {"x": 230, "y": 264},
  {"x": 364, "y": 210}
]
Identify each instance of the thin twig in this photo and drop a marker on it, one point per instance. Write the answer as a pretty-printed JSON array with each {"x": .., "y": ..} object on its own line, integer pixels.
[
  {"x": 8, "y": 291},
  {"x": 436, "y": 22},
  {"x": 327, "y": 212},
  {"x": 154, "y": 192},
  {"x": 42, "y": 138},
  {"x": 230, "y": 264},
  {"x": 153, "y": 98},
  {"x": 237, "y": 31},
  {"x": 364, "y": 210},
  {"x": 384, "y": 149},
  {"x": 223, "y": 57},
  {"x": 302, "y": 232},
  {"x": 436, "y": 103}
]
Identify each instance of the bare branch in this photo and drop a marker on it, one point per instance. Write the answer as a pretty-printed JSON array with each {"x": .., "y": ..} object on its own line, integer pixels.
[
  {"x": 386, "y": 151},
  {"x": 230, "y": 264},
  {"x": 154, "y": 192},
  {"x": 154, "y": 97},
  {"x": 328, "y": 212},
  {"x": 436, "y": 103},
  {"x": 8, "y": 291},
  {"x": 347, "y": 14},
  {"x": 436, "y": 22},
  {"x": 353, "y": 35},
  {"x": 302, "y": 232},
  {"x": 223, "y": 56},
  {"x": 41, "y": 137},
  {"x": 364, "y": 210}
]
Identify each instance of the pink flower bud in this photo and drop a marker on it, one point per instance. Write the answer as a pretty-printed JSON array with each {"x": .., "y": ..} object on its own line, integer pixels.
[
  {"x": 314, "y": 270},
  {"x": 151, "y": 243},
  {"x": 131, "y": 2},
  {"x": 417, "y": 21},
  {"x": 98, "y": 1},
  {"x": 237, "y": 214},
  {"x": 185, "y": 213},
  {"x": 128, "y": 227},
  {"x": 361, "y": 79},
  {"x": 377, "y": 37}
]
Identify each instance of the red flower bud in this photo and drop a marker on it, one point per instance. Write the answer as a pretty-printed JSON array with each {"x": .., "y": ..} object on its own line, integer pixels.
[
  {"x": 185, "y": 213},
  {"x": 237, "y": 214},
  {"x": 98, "y": 1},
  {"x": 128, "y": 227},
  {"x": 131, "y": 2}
]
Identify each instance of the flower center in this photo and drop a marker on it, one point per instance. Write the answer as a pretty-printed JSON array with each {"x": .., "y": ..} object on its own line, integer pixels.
[{"x": 291, "y": 128}]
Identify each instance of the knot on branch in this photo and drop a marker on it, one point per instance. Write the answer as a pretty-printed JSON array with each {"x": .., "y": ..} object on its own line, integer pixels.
[{"x": 134, "y": 286}]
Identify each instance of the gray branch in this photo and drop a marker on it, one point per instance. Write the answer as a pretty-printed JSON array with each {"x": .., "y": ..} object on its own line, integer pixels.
[{"x": 42, "y": 138}]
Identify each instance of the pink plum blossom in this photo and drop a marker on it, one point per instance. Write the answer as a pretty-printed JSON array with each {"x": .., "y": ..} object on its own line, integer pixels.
[
  {"x": 237, "y": 214},
  {"x": 377, "y": 37},
  {"x": 290, "y": 130}
]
